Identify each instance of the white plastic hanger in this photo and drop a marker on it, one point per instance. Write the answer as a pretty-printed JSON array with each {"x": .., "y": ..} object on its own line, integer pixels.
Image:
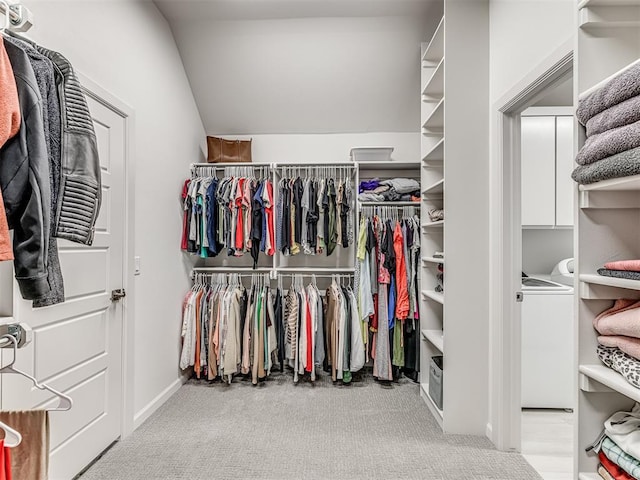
[
  {"x": 7, "y": 18},
  {"x": 65, "y": 401},
  {"x": 12, "y": 438}
]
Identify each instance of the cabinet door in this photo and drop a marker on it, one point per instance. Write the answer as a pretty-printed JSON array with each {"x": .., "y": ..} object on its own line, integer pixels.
[
  {"x": 538, "y": 144},
  {"x": 564, "y": 167}
]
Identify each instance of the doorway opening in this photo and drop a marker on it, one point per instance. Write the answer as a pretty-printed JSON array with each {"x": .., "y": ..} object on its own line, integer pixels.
[
  {"x": 531, "y": 250},
  {"x": 546, "y": 316}
]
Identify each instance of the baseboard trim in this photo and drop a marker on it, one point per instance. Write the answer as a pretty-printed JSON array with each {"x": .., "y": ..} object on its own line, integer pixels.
[
  {"x": 140, "y": 417},
  {"x": 489, "y": 432}
]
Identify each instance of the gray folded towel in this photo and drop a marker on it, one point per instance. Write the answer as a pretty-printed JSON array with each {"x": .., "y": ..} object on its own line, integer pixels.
[
  {"x": 609, "y": 143},
  {"x": 402, "y": 185},
  {"x": 370, "y": 197},
  {"x": 616, "y": 116},
  {"x": 605, "y": 272},
  {"x": 615, "y": 91},
  {"x": 620, "y": 165}
]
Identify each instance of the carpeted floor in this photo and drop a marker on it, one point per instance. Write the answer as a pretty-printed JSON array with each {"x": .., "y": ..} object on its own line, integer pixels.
[{"x": 284, "y": 431}]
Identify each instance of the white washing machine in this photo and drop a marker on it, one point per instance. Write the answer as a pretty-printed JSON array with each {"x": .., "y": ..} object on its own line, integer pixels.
[{"x": 547, "y": 344}]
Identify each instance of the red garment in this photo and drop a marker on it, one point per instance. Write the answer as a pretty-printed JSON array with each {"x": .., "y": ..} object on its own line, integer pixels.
[
  {"x": 270, "y": 223},
  {"x": 239, "y": 225},
  {"x": 614, "y": 470},
  {"x": 402, "y": 290},
  {"x": 185, "y": 219},
  {"x": 9, "y": 126},
  {"x": 5, "y": 462}
]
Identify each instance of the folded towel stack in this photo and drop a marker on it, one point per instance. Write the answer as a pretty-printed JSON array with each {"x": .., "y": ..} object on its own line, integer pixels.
[
  {"x": 619, "y": 339},
  {"x": 618, "y": 447},
  {"x": 611, "y": 116},
  {"x": 392, "y": 190}
]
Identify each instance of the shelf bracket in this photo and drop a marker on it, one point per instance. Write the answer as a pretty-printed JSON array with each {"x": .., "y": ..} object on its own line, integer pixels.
[{"x": 588, "y": 384}]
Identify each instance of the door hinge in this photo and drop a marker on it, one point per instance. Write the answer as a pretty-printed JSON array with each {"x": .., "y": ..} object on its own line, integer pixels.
[
  {"x": 519, "y": 297},
  {"x": 118, "y": 294}
]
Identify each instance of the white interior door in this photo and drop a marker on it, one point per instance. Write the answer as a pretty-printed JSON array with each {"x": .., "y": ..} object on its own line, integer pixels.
[{"x": 77, "y": 345}]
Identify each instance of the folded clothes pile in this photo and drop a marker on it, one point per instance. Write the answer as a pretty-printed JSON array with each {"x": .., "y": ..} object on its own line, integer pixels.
[
  {"x": 391, "y": 190},
  {"x": 619, "y": 339},
  {"x": 618, "y": 446},
  {"x": 611, "y": 116},
  {"x": 629, "y": 269}
]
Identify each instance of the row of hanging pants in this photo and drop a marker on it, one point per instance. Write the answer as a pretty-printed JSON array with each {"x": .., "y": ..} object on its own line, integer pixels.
[
  {"x": 230, "y": 330},
  {"x": 388, "y": 255}
]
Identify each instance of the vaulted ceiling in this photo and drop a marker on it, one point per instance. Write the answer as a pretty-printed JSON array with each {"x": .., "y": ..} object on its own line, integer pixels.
[{"x": 303, "y": 66}]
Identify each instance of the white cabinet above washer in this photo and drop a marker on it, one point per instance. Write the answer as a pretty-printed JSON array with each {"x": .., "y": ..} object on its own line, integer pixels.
[{"x": 547, "y": 162}]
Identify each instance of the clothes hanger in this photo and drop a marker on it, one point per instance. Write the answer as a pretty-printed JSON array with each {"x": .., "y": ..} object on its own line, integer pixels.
[
  {"x": 65, "y": 401},
  {"x": 7, "y": 17},
  {"x": 12, "y": 438}
]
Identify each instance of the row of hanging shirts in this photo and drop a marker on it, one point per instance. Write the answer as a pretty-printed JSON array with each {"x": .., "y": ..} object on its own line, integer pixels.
[
  {"x": 230, "y": 330},
  {"x": 234, "y": 213},
  {"x": 387, "y": 284},
  {"x": 314, "y": 209}
]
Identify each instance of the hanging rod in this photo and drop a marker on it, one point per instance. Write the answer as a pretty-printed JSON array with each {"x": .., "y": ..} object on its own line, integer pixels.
[
  {"x": 321, "y": 275},
  {"x": 231, "y": 164},
  {"x": 20, "y": 17},
  {"x": 312, "y": 270},
  {"x": 223, "y": 269},
  {"x": 390, "y": 204},
  {"x": 337, "y": 164}
]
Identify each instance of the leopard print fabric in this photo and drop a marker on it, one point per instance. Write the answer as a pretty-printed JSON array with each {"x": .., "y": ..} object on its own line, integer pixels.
[{"x": 622, "y": 363}]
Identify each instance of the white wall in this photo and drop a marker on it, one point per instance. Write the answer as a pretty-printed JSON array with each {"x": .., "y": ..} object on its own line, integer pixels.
[
  {"x": 329, "y": 148},
  {"x": 128, "y": 49},
  {"x": 523, "y": 33},
  {"x": 305, "y": 75},
  {"x": 543, "y": 248}
]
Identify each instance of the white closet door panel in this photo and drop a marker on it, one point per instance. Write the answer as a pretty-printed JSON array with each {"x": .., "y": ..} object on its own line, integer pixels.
[
  {"x": 538, "y": 171},
  {"x": 564, "y": 167},
  {"x": 76, "y": 345}
]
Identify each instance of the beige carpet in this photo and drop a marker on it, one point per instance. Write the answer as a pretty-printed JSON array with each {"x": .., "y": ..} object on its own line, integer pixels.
[{"x": 284, "y": 431}]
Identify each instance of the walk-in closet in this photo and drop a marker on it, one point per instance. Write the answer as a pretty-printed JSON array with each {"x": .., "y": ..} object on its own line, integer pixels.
[{"x": 319, "y": 239}]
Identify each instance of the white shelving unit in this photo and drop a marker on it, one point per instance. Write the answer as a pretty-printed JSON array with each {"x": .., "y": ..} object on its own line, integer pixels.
[
  {"x": 436, "y": 337},
  {"x": 433, "y": 52},
  {"x": 437, "y": 224},
  {"x": 432, "y": 322},
  {"x": 433, "y": 295},
  {"x": 434, "y": 122},
  {"x": 435, "y": 260},
  {"x": 455, "y": 110},
  {"x": 435, "y": 156},
  {"x": 435, "y": 188},
  {"x": 608, "y": 226},
  {"x": 434, "y": 89},
  {"x": 589, "y": 476}
]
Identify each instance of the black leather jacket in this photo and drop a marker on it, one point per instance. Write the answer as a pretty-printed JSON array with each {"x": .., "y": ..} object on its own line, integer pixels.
[{"x": 80, "y": 188}]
